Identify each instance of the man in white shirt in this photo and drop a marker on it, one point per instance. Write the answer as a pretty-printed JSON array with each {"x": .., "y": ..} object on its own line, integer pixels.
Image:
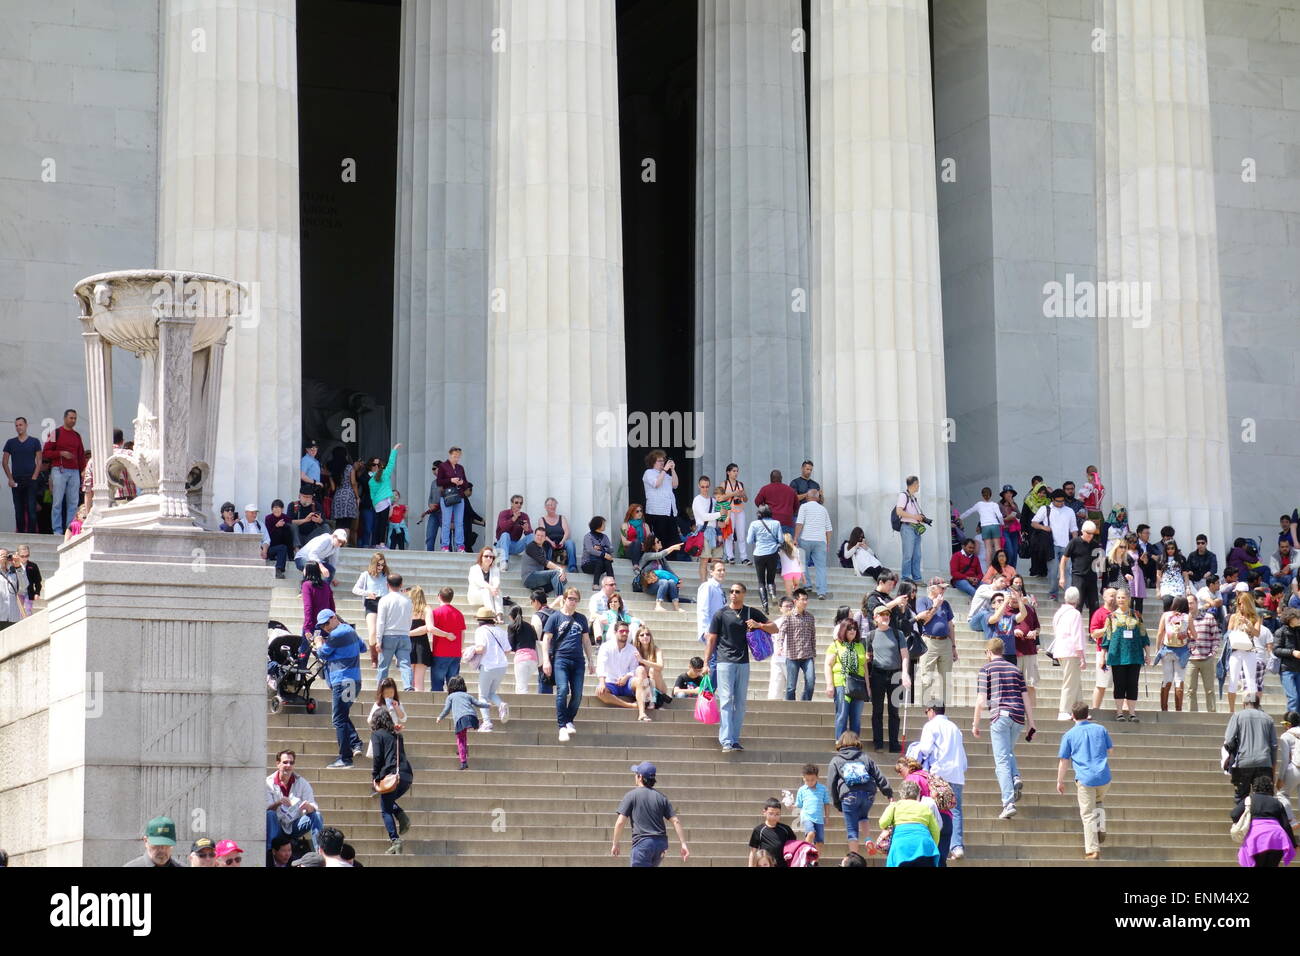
[
  {"x": 706, "y": 512},
  {"x": 616, "y": 666},
  {"x": 599, "y": 604},
  {"x": 322, "y": 550},
  {"x": 941, "y": 751},
  {"x": 394, "y": 631},
  {"x": 709, "y": 599},
  {"x": 291, "y": 805},
  {"x": 250, "y": 525},
  {"x": 812, "y": 529},
  {"x": 1061, "y": 523}
]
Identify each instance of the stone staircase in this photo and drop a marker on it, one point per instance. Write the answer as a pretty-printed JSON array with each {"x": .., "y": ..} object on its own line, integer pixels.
[{"x": 528, "y": 800}]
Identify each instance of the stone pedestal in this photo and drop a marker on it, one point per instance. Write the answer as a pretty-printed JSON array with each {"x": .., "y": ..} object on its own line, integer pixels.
[
  {"x": 441, "y": 290},
  {"x": 157, "y": 675},
  {"x": 229, "y": 205},
  {"x": 1163, "y": 397},
  {"x": 877, "y": 324},
  {"x": 556, "y": 362},
  {"x": 752, "y": 360}
]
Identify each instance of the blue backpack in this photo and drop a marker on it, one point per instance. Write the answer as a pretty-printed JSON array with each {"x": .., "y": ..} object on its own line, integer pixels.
[{"x": 855, "y": 773}]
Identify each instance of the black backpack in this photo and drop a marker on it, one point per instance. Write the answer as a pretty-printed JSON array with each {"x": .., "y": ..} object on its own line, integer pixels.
[{"x": 895, "y": 521}]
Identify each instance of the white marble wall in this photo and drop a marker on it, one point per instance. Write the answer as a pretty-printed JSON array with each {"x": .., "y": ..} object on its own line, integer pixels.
[
  {"x": 229, "y": 206},
  {"x": 78, "y": 190},
  {"x": 752, "y": 331},
  {"x": 555, "y": 334},
  {"x": 440, "y": 293},
  {"x": 879, "y": 404},
  {"x": 1162, "y": 395}
]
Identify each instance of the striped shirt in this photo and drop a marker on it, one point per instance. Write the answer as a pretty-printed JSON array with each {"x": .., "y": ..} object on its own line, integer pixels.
[
  {"x": 816, "y": 521},
  {"x": 1003, "y": 686},
  {"x": 1204, "y": 642}
]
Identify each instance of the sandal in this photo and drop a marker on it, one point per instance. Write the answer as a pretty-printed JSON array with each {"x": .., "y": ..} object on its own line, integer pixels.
[{"x": 646, "y": 718}]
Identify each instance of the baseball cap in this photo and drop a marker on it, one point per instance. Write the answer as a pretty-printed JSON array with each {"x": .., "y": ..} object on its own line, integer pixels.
[
  {"x": 227, "y": 847},
  {"x": 250, "y": 507},
  {"x": 311, "y": 443},
  {"x": 202, "y": 843},
  {"x": 645, "y": 768},
  {"x": 1243, "y": 586},
  {"x": 340, "y": 534},
  {"x": 324, "y": 615},
  {"x": 1090, "y": 527},
  {"x": 160, "y": 831}
]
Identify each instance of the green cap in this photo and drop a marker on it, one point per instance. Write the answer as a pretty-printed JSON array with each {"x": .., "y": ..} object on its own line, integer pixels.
[{"x": 160, "y": 831}]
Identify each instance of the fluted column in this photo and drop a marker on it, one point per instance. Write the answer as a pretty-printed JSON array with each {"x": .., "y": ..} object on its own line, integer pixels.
[
  {"x": 230, "y": 207},
  {"x": 99, "y": 430},
  {"x": 1164, "y": 439},
  {"x": 555, "y": 320},
  {"x": 752, "y": 360},
  {"x": 877, "y": 329},
  {"x": 440, "y": 290}
]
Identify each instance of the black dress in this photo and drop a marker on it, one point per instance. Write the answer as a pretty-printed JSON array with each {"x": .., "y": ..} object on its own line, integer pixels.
[{"x": 421, "y": 652}]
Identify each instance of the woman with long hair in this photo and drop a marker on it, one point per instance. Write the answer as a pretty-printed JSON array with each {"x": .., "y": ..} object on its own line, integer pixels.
[
  {"x": 634, "y": 534},
  {"x": 1252, "y": 645},
  {"x": 1173, "y": 648},
  {"x": 652, "y": 661},
  {"x": 616, "y": 613},
  {"x": 343, "y": 511},
  {"x": 386, "y": 698},
  {"x": 365, "y": 507},
  {"x": 523, "y": 642},
  {"x": 855, "y": 553},
  {"x": 999, "y": 567},
  {"x": 732, "y": 493},
  {"x": 317, "y": 595},
  {"x": 1125, "y": 641},
  {"x": 1119, "y": 563},
  {"x": 1010, "y": 524},
  {"x": 372, "y": 584},
  {"x": 485, "y": 581},
  {"x": 1270, "y": 841},
  {"x": 764, "y": 539},
  {"x": 1171, "y": 569},
  {"x": 381, "y": 497},
  {"x": 846, "y": 655},
  {"x": 1138, "y": 583},
  {"x": 390, "y": 758},
  {"x": 421, "y": 628}
]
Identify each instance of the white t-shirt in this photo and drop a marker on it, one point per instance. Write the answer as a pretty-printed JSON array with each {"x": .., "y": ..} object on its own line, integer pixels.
[
  {"x": 989, "y": 512},
  {"x": 1062, "y": 522}
]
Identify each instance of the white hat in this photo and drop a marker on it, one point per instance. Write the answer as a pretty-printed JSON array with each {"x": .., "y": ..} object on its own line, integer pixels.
[
  {"x": 250, "y": 507},
  {"x": 1090, "y": 527},
  {"x": 340, "y": 534}
]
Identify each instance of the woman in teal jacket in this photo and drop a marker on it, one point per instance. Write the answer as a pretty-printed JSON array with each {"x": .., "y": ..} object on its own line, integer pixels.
[
  {"x": 1126, "y": 645},
  {"x": 381, "y": 497}
]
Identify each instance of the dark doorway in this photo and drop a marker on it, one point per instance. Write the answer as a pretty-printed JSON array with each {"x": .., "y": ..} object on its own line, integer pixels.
[
  {"x": 348, "y": 62},
  {"x": 656, "y": 93}
]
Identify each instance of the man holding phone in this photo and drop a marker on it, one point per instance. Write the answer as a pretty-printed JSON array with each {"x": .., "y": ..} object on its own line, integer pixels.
[
  {"x": 728, "y": 634},
  {"x": 305, "y": 520}
]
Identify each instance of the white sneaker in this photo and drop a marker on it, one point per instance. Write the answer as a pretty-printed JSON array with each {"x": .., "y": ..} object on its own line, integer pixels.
[
  {"x": 1008, "y": 812},
  {"x": 564, "y": 735},
  {"x": 570, "y": 728},
  {"x": 486, "y": 728},
  {"x": 504, "y": 565},
  {"x": 956, "y": 853},
  {"x": 503, "y": 711}
]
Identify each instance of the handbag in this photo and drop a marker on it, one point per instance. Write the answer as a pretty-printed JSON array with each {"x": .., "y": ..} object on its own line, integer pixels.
[
  {"x": 1239, "y": 640},
  {"x": 855, "y": 685},
  {"x": 694, "y": 544},
  {"x": 451, "y": 497},
  {"x": 760, "y": 644},
  {"x": 1241, "y": 828},
  {"x": 388, "y": 782},
  {"x": 707, "y": 710}
]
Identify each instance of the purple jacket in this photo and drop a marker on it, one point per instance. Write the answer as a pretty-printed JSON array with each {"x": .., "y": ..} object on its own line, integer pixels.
[{"x": 315, "y": 598}]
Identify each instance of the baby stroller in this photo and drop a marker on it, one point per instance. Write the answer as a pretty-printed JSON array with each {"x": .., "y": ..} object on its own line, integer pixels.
[{"x": 291, "y": 669}]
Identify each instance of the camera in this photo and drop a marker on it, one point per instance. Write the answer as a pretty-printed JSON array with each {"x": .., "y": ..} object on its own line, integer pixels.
[{"x": 928, "y": 520}]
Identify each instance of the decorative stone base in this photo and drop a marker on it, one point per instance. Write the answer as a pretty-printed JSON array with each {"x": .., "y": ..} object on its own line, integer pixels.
[{"x": 157, "y": 691}]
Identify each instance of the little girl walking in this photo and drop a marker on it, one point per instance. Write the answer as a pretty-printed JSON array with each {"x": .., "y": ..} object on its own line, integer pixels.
[
  {"x": 464, "y": 711},
  {"x": 792, "y": 565}
]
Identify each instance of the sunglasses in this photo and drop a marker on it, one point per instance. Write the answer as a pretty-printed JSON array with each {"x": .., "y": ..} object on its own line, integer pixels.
[
  {"x": 736, "y": 591},
  {"x": 206, "y": 854},
  {"x": 489, "y": 555}
]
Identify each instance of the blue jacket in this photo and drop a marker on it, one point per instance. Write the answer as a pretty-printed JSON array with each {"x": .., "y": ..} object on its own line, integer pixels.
[{"x": 341, "y": 653}]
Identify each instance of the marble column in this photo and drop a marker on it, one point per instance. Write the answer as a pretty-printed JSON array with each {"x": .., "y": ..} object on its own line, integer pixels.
[
  {"x": 229, "y": 206},
  {"x": 1164, "y": 423},
  {"x": 877, "y": 330},
  {"x": 440, "y": 292},
  {"x": 556, "y": 375},
  {"x": 752, "y": 360}
]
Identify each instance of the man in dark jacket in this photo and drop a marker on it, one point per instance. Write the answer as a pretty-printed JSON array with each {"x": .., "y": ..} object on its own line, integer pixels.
[
  {"x": 1286, "y": 647},
  {"x": 854, "y": 780},
  {"x": 340, "y": 648},
  {"x": 1251, "y": 742}
]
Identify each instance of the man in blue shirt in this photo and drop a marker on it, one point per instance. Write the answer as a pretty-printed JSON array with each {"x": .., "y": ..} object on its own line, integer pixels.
[
  {"x": 340, "y": 648},
  {"x": 309, "y": 469},
  {"x": 22, "y": 466},
  {"x": 1087, "y": 746}
]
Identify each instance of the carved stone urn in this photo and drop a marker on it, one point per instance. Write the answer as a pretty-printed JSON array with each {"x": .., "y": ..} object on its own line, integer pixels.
[{"x": 176, "y": 324}]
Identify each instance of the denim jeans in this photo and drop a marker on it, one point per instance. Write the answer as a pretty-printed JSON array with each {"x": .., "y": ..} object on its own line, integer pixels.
[
  {"x": 792, "y": 671},
  {"x": 65, "y": 489},
  {"x": 308, "y": 823},
  {"x": 1291, "y": 687},
  {"x": 453, "y": 514},
  {"x": 24, "y": 505},
  {"x": 344, "y": 696},
  {"x": 399, "y": 646},
  {"x": 506, "y": 548},
  {"x": 388, "y": 805},
  {"x": 278, "y": 553},
  {"x": 432, "y": 524},
  {"x": 911, "y": 552},
  {"x": 964, "y": 586},
  {"x": 1054, "y": 571},
  {"x": 568, "y": 675},
  {"x": 1003, "y": 732},
  {"x": 649, "y": 851},
  {"x": 547, "y": 580},
  {"x": 956, "y": 816},
  {"x": 848, "y": 714},
  {"x": 856, "y": 808},
  {"x": 733, "y": 690},
  {"x": 443, "y": 669},
  {"x": 816, "y": 552},
  {"x": 1011, "y": 545},
  {"x": 667, "y": 590}
]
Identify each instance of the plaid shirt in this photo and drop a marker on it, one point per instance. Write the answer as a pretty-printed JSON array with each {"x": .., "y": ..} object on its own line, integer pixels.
[
  {"x": 1204, "y": 641},
  {"x": 800, "y": 633}
]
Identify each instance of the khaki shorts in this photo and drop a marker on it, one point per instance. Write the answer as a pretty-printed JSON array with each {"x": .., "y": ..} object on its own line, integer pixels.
[
  {"x": 1102, "y": 676},
  {"x": 1029, "y": 667}
]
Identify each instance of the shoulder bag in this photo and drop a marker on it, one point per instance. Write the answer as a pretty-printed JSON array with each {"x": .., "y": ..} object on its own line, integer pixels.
[{"x": 388, "y": 782}]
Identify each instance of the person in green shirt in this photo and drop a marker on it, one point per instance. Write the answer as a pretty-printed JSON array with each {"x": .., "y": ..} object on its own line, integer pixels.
[
  {"x": 1125, "y": 642},
  {"x": 847, "y": 648}
]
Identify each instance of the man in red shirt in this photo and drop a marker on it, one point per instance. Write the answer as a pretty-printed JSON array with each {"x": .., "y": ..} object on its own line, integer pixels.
[
  {"x": 448, "y": 627},
  {"x": 67, "y": 458},
  {"x": 514, "y": 531},
  {"x": 1097, "y": 628},
  {"x": 964, "y": 566},
  {"x": 783, "y": 500}
]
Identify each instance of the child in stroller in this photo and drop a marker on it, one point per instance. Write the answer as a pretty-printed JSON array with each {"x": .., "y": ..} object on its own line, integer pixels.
[{"x": 291, "y": 669}]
